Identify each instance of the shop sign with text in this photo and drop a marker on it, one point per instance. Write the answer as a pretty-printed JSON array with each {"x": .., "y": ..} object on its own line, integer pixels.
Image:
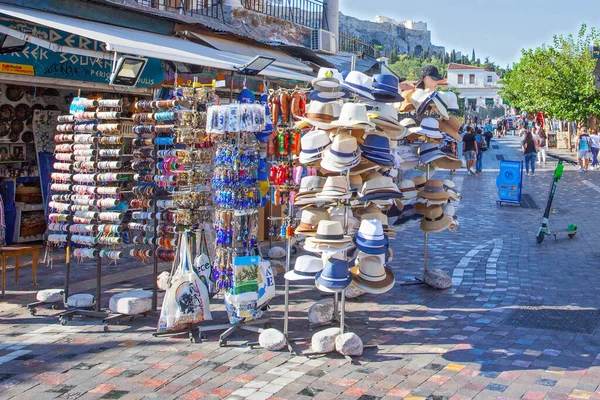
[{"x": 37, "y": 61}]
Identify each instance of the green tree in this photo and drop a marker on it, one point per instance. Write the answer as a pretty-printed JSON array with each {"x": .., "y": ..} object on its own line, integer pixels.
[
  {"x": 409, "y": 67},
  {"x": 473, "y": 57},
  {"x": 555, "y": 79},
  {"x": 453, "y": 56}
]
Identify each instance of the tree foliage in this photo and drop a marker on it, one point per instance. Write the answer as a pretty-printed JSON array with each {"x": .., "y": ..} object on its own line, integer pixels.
[
  {"x": 556, "y": 79},
  {"x": 409, "y": 67}
]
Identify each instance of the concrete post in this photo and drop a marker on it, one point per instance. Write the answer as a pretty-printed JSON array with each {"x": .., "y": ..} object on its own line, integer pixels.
[{"x": 332, "y": 15}]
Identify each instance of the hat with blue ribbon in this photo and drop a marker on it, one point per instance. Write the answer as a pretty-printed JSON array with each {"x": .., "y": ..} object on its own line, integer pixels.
[
  {"x": 359, "y": 83},
  {"x": 335, "y": 275},
  {"x": 385, "y": 88}
]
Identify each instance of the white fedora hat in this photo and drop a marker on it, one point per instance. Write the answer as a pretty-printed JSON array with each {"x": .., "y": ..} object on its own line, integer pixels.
[
  {"x": 338, "y": 214},
  {"x": 385, "y": 116},
  {"x": 359, "y": 83},
  {"x": 450, "y": 99},
  {"x": 309, "y": 220},
  {"x": 306, "y": 267},
  {"x": 327, "y": 80},
  {"x": 430, "y": 127},
  {"x": 342, "y": 154},
  {"x": 440, "y": 105},
  {"x": 336, "y": 187},
  {"x": 353, "y": 114},
  {"x": 372, "y": 276},
  {"x": 313, "y": 144}
]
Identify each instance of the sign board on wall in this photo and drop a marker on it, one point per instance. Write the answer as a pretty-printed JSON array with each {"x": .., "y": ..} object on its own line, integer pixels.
[{"x": 37, "y": 61}]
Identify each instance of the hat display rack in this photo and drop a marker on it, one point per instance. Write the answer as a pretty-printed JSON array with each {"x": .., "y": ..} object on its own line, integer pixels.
[
  {"x": 91, "y": 180},
  {"x": 430, "y": 124}
]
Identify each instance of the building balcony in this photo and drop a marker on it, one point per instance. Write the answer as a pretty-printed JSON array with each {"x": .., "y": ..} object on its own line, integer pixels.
[{"x": 307, "y": 13}]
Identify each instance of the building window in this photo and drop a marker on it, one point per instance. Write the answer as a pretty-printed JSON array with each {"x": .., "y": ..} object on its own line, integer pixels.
[
  {"x": 472, "y": 79},
  {"x": 461, "y": 79},
  {"x": 489, "y": 79},
  {"x": 489, "y": 102}
]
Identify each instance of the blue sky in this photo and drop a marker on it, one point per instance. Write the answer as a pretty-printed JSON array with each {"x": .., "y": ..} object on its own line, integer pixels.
[{"x": 495, "y": 28}]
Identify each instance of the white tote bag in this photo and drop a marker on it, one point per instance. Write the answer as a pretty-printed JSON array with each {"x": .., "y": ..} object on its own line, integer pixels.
[
  {"x": 186, "y": 300},
  {"x": 203, "y": 266}
]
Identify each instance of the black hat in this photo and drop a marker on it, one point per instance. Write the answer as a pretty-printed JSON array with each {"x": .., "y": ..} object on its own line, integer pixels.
[{"x": 430, "y": 71}]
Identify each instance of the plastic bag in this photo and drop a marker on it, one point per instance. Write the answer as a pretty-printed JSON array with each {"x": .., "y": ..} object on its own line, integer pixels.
[
  {"x": 242, "y": 307},
  {"x": 186, "y": 300}
]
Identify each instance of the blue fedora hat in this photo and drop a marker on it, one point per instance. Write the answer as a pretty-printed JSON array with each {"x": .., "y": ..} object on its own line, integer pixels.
[
  {"x": 383, "y": 195},
  {"x": 385, "y": 88},
  {"x": 335, "y": 275},
  {"x": 377, "y": 153},
  {"x": 376, "y": 142},
  {"x": 358, "y": 238},
  {"x": 379, "y": 160},
  {"x": 372, "y": 250}
]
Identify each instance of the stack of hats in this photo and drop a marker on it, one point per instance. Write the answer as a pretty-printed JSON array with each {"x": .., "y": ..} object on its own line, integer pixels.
[
  {"x": 313, "y": 145},
  {"x": 385, "y": 118},
  {"x": 433, "y": 197},
  {"x": 342, "y": 154},
  {"x": 385, "y": 89},
  {"x": 335, "y": 188},
  {"x": 334, "y": 277},
  {"x": 430, "y": 129},
  {"x": 306, "y": 267},
  {"x": 327, "y": 86},
  {"x": 309, "y": 187},
  {"x": 431, "y": 153},
  {"x": 379, "y": 187},
  {"x": 376, "y": 148},
  {"x": 360, "y": 84},
  {"x": 309, "y": 221},
  {"x": 319, "y": 115},
  {"x": 451, "y": 128},
  {"x": 371, "y": 275},
  {"x": 406, "y": 157},
  {"x": 328, "y": 238},
  {"x": 371, "y": 238}
]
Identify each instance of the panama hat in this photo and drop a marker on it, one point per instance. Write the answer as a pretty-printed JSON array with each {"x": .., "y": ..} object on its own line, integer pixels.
[
  {"x": 335, "y": 188},
  {"x": 379, "y": 188},
  {"x": 448, "y": 162},
  {"x": 410, "y": 126},
  {"x": 359, "y": 83},
  {"x": 387, "y": 229},
  {"x": 376, "y": 148},
  {"x": 372, "y": 276},
  {"x": 363, "y": 166},
  {"x": 309, "y": 187},
  {"x": 451, "y": 127},
  {"x": 313, "y": 144},
  {"x": 450, "y": 99},
  {"x": 353, "y": 114},
  {"x": 436, "y": 220},
  {"x": 430, "y": 127},
  {"x": 440, "y": 105},
  {"x": 305, "y": 267},
  {"x": 385, "y": 88},
  {"x": 319, "y": 115},
  {"x": 406, "y": 105},
  {"x": 385, "y": 116},
  {"x": 433, "y": 190},
  {"x": 385, "y": 258},
  {"x": 329, "y": 232},
  {"x": 334, "y": 277},
  {"x": 327, "y": 80},
  {"x": 338, "y": 214},
  {"x": 370, "y": 237},
  {"x": 420, "y": 100},
  {"x": 408, "y": 189},
  {"x": 419, "y": 181},
  {"x": 429, "y": 152},
  {"x": 309, "y": 221},
  {"x": 342, "y": 154},
  {"x": 327, "y": 97}
]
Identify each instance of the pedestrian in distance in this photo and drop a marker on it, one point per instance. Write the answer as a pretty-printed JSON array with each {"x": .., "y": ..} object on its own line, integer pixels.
[
  {"x": 583, "y": 145},
  {"x": 470, "y": 149},
  {"x": 489, "y": 132},
  {"x": 542, "y": 143},
  {"x": 595, "y": 140},
  {"x": 528, "y": 147},
  {"x": 481, "y": 147}
]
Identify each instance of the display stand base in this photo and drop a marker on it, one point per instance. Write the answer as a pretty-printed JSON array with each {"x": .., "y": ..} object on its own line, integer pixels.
[
  {"x": 192, "y": 331},
  {"x": 54, "y": 305},
  {"x": 289, "y": 343},
  {"x": 231, "y": 328},
  {"x": 68, "y": 315},
  {"x": 415, "y": 281},
  {"x": 117, "y": 318},
  {"x": 335, "y": 322}
]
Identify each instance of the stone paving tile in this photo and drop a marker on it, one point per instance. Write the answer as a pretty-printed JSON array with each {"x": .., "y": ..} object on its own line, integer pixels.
[{"x": 454, "y": 344}]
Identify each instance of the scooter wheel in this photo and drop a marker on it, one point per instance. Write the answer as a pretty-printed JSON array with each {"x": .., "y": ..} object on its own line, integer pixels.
[
  {"x": 571, "y": 235},
  {"x": 540, "y": 238}
]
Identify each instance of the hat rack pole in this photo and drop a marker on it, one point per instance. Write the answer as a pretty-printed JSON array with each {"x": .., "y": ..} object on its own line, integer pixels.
[
  {"x": 288, "y": 261},
  {"x": 426, "y": 239}
]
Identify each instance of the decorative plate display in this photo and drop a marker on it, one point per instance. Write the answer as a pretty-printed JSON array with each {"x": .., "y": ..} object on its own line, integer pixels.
[
  {"x": 22, "y": 112},
  {"x": 17, "y": 126},
  {"x": 4, "y": 128},
  {"x": 27, "y": 137},
  {"x": 7, "y": 113},
  {"x": 51, "y": 96},
  {"x": 51, "y": 108},
  {"x": 14, "y": 93},
  {"x": 14, "y": 137}
]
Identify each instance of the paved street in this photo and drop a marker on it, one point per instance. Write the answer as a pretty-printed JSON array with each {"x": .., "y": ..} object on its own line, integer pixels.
[{"x": 519, "y": 322}]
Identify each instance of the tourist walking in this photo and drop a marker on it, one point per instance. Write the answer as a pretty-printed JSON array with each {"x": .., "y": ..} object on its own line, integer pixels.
[
  {"x": 481, "y": 147},
  {"x": 470, "y": 149},
  {"x": 528, "y": 147},
  {"x": 583, "y": 146},
  {"x": 489, "y": 133},
  {"x": 595, "y": 141},
  {"x": 542, "y": 143}
]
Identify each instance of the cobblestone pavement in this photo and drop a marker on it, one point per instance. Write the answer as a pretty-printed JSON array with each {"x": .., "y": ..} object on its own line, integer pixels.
[{"x": 519, "y": 322}]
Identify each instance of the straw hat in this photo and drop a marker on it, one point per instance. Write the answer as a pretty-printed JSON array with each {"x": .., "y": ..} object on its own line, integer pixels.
[
  {"x": 305, "y": 267},
  {"x": 408, "y": 189},
  {"x": 430, "y": 127},
  {"x": 353, "y": 114},
  {"x": 429, "y": 152},
  {"x": 310, "y": 219},
  {"x": 379, "y": 188},
  {"x": 433, "y": 190},
  {"x": 450, "y": 127},
  {"x": 436, "y": 220},
  {"x": 406, "y": 105},
  {"x": 319, "y": 115},
  {"x": 338, "y": 214},
  {"x": 363, "y": 166},
  {"x": 386, "y": 117},
  {"x": 448, "y": 162},
  {"x": 372, "y": 276},
  {"x": 335, "y": 188},
  {"x": 342, "y": 154},
  {"x": 313, "y": 144},
  {"x": 370, "y": 237},
  {"x": 419, "y": 181}
]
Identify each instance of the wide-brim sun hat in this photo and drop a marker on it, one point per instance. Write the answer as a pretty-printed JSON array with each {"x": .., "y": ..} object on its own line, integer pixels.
[
  {"x": 305, "y": 268},
  {"x": 448, "y": 162},
  {"x": 327, "y": 80},
  {"x": 370, "y": 283},
  {"x": 363, "y": 166},
  {"x": 326, "y": 97},
  {"x": 437, "y": 222},
  {"x": 433, "y": 190},
  {"x": 359, "y": 83}
]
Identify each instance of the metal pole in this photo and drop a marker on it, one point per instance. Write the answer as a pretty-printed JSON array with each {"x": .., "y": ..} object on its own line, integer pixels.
[
  {"x": 343, "y": 311},
  {"x": 288, "y": 260},
  {"x": 98, "y": 281},
  {"x": 426, "y": 245}
]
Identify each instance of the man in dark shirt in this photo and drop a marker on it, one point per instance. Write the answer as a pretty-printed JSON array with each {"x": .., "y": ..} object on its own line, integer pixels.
[{"x": 470, "y": 149}]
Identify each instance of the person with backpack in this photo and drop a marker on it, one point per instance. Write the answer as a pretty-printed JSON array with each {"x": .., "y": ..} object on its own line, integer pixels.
[
  {"x": 481, "y": 144},
  {"x": 583, "y": 145},
  {"x": 489, "y": 133},
  {"x": 528, "y": 147},
  {"x": 542, "y": 139}
]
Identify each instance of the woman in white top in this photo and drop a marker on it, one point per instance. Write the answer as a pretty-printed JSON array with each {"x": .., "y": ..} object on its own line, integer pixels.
[
  {"x": 542, "y": 142},
  {"x": 595, "y": 142}
]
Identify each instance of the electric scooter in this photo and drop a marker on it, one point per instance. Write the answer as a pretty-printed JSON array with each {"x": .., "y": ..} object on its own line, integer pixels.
[{"x": 544, "y": 230}]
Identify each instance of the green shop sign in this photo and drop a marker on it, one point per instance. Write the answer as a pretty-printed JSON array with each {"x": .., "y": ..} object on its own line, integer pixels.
[{"x": 50, "y": 64}]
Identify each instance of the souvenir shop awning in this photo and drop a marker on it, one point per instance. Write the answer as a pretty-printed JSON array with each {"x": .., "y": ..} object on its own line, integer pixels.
[{"x": 135, "y": 42}]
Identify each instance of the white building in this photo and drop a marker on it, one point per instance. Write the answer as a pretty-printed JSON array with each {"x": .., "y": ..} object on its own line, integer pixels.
[{"x": 477, "y": 86}]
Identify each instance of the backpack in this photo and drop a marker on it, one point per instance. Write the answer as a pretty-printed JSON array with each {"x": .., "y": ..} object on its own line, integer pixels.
[{"x": 482, "y": 144}]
